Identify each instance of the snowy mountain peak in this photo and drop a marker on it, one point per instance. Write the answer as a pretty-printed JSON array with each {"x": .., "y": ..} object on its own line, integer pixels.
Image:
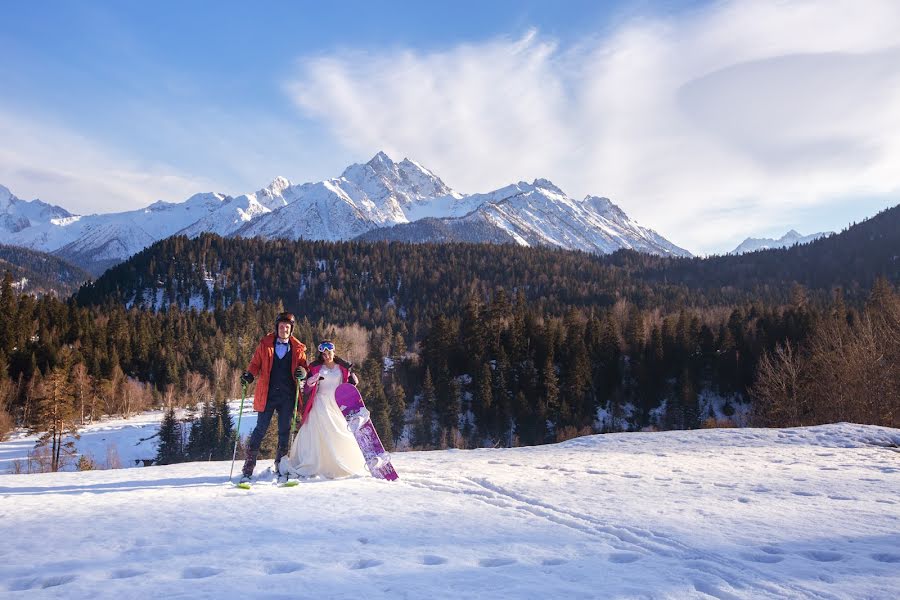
[
  {"x": 277, "y": 187},
  {"x": 206, "y": 200},
  {"x": 392, "y": 187},
  {"x": 789, "y": 239},
  {"x": 546, "y": 184},
  {"x": 6, "y": 197},
  {"x": 381, "y": 161}
]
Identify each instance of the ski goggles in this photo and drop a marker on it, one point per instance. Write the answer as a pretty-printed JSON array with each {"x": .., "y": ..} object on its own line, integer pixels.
[{"x": 326, "y": 346}]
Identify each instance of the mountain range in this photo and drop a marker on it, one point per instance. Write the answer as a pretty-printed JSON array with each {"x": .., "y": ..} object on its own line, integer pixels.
[
  {"x": 378, "y": 200},
  {"x": 785, "y": 241}
]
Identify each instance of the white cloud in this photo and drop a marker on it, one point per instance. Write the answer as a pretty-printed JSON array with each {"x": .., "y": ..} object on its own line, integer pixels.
[
  {"x": 61, "y": 166},
  {"x": 732, "y": 121}
]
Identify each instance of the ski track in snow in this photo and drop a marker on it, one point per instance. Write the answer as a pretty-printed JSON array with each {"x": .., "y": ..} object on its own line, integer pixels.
[{"x": 802, "y": 513}]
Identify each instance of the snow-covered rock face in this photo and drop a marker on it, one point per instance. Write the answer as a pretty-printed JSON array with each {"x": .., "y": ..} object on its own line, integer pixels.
[
  {"x": 18, "y": 216},
  {"x": 785, "y": 241},
  {"x": 541, "y": 214},
  {"x": 366, "y": 197}
]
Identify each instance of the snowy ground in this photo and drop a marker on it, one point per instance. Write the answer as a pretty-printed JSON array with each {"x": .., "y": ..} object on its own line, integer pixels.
[{"x": 730, "y": 513}]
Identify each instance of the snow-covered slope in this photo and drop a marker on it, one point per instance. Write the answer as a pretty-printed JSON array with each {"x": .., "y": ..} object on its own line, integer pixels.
[
  {"x": 730, "y": 513},
  {"x": 97, "y": 241},
  {"x": 375, "y": 194},
  {"x": 18, "y": 216},
  {"x": 366, "y": 197},
  {"x": 785, "y": 241},
  {"x": 540, "y": 214},
  {"x": 234, "y": 213}
]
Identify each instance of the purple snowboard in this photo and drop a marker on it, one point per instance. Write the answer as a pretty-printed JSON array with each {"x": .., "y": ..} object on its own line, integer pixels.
[{"x": 354, "y": 409}]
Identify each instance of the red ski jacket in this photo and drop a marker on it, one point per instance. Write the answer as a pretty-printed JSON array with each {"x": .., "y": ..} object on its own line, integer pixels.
[{"x": 261, "y": 365}]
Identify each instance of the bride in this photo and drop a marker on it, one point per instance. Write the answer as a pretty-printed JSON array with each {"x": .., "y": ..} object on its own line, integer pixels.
[{"x": 324, "y": 445}]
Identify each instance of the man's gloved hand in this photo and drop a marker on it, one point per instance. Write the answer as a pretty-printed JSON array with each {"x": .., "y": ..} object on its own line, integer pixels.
[
  {"x": 300, "y": 373},
  {"x": 247, "y": 378},
  {"x": 353, "y": 379}
]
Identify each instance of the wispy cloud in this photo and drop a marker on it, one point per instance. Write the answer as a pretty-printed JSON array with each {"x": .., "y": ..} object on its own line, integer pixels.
[
  {"x": 64, "y": 167},
  {"x": 709, "y": 126}
]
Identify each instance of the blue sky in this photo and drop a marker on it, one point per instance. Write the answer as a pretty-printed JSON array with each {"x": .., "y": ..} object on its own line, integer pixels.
[{"x": 707, "y": 121}]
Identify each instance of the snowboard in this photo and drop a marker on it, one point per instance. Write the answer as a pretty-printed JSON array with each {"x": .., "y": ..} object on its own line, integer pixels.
[{"x": 351, "y": 404}]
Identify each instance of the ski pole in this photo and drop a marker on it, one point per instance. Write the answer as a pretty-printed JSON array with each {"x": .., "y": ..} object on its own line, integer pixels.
[
  {"x": 296, "y": 404},
  {"x": 237, "y": 435}
]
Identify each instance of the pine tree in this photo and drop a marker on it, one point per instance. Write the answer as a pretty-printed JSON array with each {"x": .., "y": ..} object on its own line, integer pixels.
[
  {"x": 550, "y": 396},
  {"x": 170, "y": 449},
  {"x": 472, "y": 333},
  {"x": 484, "y": 400},
  {"x": 397, "y": 401},
  {"x": 372, "y": 391},
  {"x": 425, "y": 413},
  {"x": 8, "y": 315},
  {"x": 226, "y": 432}
]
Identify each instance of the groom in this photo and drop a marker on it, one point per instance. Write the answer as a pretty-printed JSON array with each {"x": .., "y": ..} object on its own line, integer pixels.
[{"x": 279, "y": 361}]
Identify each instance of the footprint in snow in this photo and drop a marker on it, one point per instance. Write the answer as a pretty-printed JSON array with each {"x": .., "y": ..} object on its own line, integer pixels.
[
  {"x": 833, "y": 497},
  {"x": 807, "y": 494},
  {"x": 125, "y": 573},
  {"x": 282, "y": 568},
  {"x": 763, "y": 558},
  {"x": 553, "y": 562},
  {"x": 886, "y": 557},
  {"x": 771, "y": 550},
  {"x": 365, "y": 563},
  {"x": 432, "y": 560},
  {"x": 823, "y": 556},
  {"x": 56, "y": 580},
  {"x": 631, "y": 476},
  {"x": 199, "y": 572},
  {"x": 624, "y": 557},
  {"x": 710, "y": 588},
  {"x": 40, "y": 582},
  {"x": 496, "y": 562}
]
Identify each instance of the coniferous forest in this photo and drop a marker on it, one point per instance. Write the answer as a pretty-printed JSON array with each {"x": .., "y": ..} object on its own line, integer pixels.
[{"x": 470, "y": 345}]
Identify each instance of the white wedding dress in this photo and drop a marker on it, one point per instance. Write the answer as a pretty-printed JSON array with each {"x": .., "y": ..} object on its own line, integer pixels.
[{"x": 324, "y": 445}]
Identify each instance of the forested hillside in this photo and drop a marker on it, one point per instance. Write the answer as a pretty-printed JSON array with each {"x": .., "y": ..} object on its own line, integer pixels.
[
  {"x": 362, "y": 282},
  {"x": 40, "y": 273}
]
